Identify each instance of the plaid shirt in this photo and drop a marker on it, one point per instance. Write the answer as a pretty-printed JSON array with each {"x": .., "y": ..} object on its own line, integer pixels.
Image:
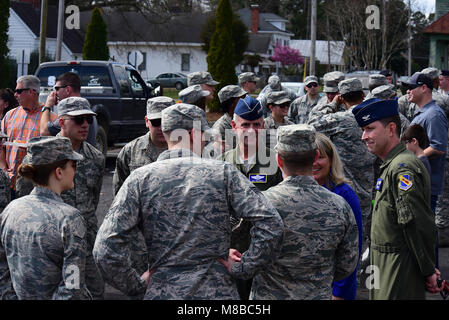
[{"x": 20, "y": 125}]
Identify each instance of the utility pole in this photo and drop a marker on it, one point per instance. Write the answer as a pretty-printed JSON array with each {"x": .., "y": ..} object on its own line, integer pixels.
[
  {"x": 328, "y": 45},
  {"x": 313, "y": 39},
  {"x": 60, "y": 30},
  {"x": 384, "y": 34},
  {"x": 410, "y": 39},
  {"x": 43, "y": 34}
]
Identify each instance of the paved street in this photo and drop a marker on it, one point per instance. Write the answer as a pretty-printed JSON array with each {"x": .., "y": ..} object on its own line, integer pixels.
[{"x": 106, "y": 198}]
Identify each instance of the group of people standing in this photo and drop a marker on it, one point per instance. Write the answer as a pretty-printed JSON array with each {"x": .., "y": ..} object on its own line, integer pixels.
[{"x": 224, "y": 211}]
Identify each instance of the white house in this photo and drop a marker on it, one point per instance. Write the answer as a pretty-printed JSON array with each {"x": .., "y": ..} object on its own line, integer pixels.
[
  {"x": 266, "y": 30},
  {"x": 331, "y": 52},
  {"x": 24, "y": 35},
  {"x": 162, "y": 46}
]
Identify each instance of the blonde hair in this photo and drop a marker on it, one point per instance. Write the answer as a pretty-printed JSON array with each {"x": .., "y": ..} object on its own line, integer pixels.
[{"x": 326, "y": 147}]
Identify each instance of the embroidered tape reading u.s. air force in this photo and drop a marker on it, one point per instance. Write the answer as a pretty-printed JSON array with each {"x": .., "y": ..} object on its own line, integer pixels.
[{"x": 405, "y": 182}]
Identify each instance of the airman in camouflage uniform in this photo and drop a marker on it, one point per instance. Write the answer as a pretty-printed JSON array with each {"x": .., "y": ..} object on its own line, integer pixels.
[
  {"x": 44, "y": 239},
  {"x": 192, "y": 94},
  {"x": 248, "y": 81},
  {"x": 342, "y": 129},
  {"x": 228, "y": 96},
  {"x": 387, "y": 92},
  {"x": 204, "y": 79},
  {"x": 278, "y": 102},
  {"x": 320, "y": 243},
  {"x": 330, "y": 88},
  {"x": 145, "y": 149},
  {"x": 88, "y": 179},
  {"x": 178, "y": 204},
  {"x": 300, "y": 108},
  {"x": 375, "y": 80},
  {"x": 274, "y": 84}
]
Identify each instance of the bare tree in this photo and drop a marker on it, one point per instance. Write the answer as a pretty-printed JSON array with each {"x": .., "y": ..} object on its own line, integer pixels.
[{"x": 369, "y": 48}]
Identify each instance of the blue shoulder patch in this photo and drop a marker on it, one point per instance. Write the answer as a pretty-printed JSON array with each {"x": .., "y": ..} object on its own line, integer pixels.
[{"x": 405, "y": 182}]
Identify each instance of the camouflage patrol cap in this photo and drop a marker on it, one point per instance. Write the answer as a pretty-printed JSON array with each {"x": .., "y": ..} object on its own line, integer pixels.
[
  {"x": 377, "y": 80},
  {"x": 192, "y": 94},
  {"x": 231, "y": 91},
  {"x": 248, "y": 77},
  {"x": 331, "y": 81},
  {"x": 201, "y": 77},
  {"x": 156, "y": 105},
  {"x": 310, "y": 79},
  {"x": 383, "y": 92},
  {"x": 46, "y": 150},
  {"x": 296, "y": 138},
  {"x": 350, "y": 85},
  {"x": 433, "y": 73},
  {"x": 74, "y": 106},
  {"x": 274, "y": 82},
  {"x": 182, "y": 116},
  {"x": 278, "y": 97}
]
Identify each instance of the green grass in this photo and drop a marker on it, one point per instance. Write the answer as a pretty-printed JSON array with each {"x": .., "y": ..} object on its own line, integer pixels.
[{"x": 171, "y": 93}]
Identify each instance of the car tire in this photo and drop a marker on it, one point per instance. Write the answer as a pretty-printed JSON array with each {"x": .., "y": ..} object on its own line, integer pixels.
[
  {"x": 102, "y": 140},
  {"x": 179, "y": 86}
]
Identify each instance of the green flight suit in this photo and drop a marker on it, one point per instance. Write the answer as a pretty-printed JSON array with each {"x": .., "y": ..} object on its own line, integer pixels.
[{"x": 403, "y": 231}]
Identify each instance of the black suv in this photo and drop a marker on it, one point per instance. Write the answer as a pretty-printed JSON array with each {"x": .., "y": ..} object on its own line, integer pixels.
[{"x": 116, "y": 92}]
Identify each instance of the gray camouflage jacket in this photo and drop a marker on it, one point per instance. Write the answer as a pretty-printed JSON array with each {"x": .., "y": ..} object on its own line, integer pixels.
[
  {"x": 86, "y": 193},
  {"x": 182, "y": 205},
  {"x": 44, "y": 240},
  {"x": 320, "y": 242},
  {"x": 300, "y": 108},
  {"x": 133, "y": 155}
]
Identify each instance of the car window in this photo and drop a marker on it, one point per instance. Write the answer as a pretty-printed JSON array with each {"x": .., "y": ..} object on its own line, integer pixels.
[
  {"x": 123, "y": 80},
  {"x": 91, "y": 76},
  {"x": 136, "y": 86}
]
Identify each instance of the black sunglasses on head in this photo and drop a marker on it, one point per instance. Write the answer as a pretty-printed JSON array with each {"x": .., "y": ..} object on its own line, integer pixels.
[
  {"x": 79, "y": 120},
  {"x": 313, "y": 84},
  {"x": 156, "y": 122},
  {"x": 19, "y": 91}
]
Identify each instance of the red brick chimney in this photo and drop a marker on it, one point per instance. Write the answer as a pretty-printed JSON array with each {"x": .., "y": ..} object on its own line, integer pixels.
[
  {"x": 254, "y": 18},
  {"x": 36, "y": 3}
]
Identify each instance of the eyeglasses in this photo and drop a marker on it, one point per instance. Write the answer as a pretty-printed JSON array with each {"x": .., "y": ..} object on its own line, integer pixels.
[
  {"x": 79, "y": 120},
  {"x": 19, "y": 91},
  {"x": 156, "y": 122},
  {"x": 284, "y": 105},
  {"x": 313, "y": 84},
  {"x": 56, "y": 88}
]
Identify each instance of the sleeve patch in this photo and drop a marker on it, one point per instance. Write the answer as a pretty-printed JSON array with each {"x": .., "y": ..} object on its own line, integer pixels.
[{"x": 405, "y": 182}]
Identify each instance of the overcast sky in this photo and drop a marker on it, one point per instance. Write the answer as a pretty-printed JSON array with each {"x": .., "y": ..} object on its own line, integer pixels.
[{"x": 425, "y": 6}]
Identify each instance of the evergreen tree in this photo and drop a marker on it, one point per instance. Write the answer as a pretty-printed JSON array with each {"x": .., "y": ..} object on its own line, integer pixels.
[
  {"x": 221, "y": 57},
  {"x": 240, "y": 36},
  {"x": 4, "y": 66},
  {"x": 95, "y": 43}
]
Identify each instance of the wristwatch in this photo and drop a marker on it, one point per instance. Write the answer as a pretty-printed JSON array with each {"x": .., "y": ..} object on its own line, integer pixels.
[{"x": 45, "y": 108}]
